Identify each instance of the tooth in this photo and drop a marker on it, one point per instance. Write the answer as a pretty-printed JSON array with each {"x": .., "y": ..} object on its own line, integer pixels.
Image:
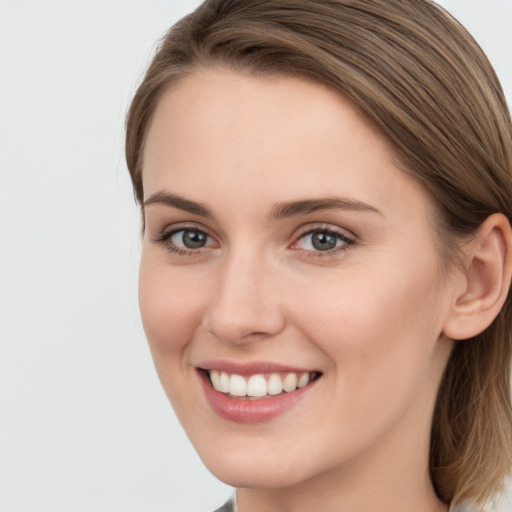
[
  {"x": 290, "y": 382},
  {"x": 274, "y": 385},
  {"x": 257, "y": 386},
  {"x": 237, "y": 385},
  {"x": 215, "y": 378},
  {"x": 303, "y": 380},
  {"x": 224, "y": 382}
]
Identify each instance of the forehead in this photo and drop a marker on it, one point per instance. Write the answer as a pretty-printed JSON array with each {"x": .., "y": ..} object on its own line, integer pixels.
[
  {"x": 217, "y": 99},
  {"x": 265, "y": 137}
]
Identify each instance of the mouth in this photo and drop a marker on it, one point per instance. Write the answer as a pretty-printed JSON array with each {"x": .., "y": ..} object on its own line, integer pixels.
[
  {"x": 259, "y": 386},
  {"x": 255, "y": 392}
]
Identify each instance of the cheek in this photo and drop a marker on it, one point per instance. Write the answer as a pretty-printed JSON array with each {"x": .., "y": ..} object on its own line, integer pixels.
[
  {"x": 378, "y": 332},
  {"x": 376, "y": 323},
  {"x": 170, "y": 306}
]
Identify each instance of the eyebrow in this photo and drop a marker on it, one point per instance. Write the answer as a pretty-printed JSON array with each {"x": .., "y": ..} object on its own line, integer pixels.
[
  {"x": 284, "y": 210},
  {"x": 181, "y": 203},
  {"x": 280, "y": 211}
]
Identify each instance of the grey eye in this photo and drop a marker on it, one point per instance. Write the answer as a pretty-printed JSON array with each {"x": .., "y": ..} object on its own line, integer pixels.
[
  {"x": 323, "y": 240},
  {"x": 189, "y": 239}
]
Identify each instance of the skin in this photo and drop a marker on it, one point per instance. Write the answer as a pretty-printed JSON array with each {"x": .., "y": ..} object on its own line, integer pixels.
[{"x": 370, "y": 315}]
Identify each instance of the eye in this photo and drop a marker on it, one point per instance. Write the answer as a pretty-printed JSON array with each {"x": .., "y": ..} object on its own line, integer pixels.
[
  {"x": 323, "y": 240},
  {"x": 189, "y": 239},
  {"x": 185, "y": 241}
]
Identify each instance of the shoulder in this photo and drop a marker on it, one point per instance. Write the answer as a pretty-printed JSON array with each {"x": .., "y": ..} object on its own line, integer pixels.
[{"x": 229, "y": 506}]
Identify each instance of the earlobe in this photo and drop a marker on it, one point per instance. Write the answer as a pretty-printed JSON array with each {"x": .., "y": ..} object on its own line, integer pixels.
[{"x": 488, "y": 272}]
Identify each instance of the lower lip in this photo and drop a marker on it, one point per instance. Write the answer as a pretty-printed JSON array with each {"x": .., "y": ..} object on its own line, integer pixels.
[{"x": 251, "y": 411}]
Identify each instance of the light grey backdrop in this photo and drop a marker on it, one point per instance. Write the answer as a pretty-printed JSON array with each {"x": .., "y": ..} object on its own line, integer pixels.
[{"x": 84, "y": 424}]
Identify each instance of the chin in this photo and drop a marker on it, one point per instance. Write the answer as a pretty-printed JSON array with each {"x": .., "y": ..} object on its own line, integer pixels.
[
  {"x": 261, "y": 467},
  {"x": 251, "y": 476}
]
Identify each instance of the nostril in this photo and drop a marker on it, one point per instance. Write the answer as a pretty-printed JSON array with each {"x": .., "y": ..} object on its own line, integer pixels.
[{"x": 251, "y": 327}]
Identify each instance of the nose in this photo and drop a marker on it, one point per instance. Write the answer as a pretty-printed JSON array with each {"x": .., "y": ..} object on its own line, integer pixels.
[{"x": 246, "y": 305}]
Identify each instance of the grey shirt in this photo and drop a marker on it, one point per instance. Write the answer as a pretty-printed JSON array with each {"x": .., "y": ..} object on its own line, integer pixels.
[{"x": 229, "y": 506}]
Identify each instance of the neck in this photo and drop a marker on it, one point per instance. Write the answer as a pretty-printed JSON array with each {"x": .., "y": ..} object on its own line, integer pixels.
[
  {"x": 394, "y": 488},
  {"x": 346, "y": 495}
]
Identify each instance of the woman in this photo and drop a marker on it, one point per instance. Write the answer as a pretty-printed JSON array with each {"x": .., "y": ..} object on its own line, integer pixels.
[{"x": 326, "y": 194}]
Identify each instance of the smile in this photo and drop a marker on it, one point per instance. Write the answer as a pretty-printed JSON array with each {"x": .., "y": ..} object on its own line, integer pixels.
[
  {"x": 259, "y": 385},
  {"x": 254, "y": 393}
]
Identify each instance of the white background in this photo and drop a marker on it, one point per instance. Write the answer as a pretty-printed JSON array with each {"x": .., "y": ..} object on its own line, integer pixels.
[{"x": 84, "y": 424}]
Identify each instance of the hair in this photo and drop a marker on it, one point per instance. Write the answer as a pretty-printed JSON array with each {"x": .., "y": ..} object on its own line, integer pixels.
[{"x": 427, "y": 85}]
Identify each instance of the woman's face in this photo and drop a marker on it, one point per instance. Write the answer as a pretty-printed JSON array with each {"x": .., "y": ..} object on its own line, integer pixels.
[{"x": 283, "y": 247}]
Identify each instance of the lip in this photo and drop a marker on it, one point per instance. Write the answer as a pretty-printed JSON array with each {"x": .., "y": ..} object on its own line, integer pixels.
[
  {"x": 250, "y": 410},
  {"x": 253, "y": 368}
]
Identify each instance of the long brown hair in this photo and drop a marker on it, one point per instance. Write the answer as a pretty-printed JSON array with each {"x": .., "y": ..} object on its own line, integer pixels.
[{"x": 425, "y": 82}]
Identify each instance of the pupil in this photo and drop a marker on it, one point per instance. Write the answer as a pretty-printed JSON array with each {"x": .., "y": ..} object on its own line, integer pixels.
[
  {"x": 323, "y": 241},
  {"x": 194, "y": 239}
]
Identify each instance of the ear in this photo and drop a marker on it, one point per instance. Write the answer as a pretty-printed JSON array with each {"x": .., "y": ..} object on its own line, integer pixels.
[{"x": 488, "y": 269}]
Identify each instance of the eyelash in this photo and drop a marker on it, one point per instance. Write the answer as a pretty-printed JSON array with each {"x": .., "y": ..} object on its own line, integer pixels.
[
  {"x": 347, "y": 241},
  {"x": 165, "y": 239}
]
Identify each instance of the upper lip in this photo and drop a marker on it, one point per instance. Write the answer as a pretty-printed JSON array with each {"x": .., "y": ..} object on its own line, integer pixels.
[{"x": 252, "y": 368}]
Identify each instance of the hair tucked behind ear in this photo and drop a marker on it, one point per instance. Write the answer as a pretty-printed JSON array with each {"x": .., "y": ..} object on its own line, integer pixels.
[
  {"x": 471, "y": 432},
  {"x": 427, "y": 85}
]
